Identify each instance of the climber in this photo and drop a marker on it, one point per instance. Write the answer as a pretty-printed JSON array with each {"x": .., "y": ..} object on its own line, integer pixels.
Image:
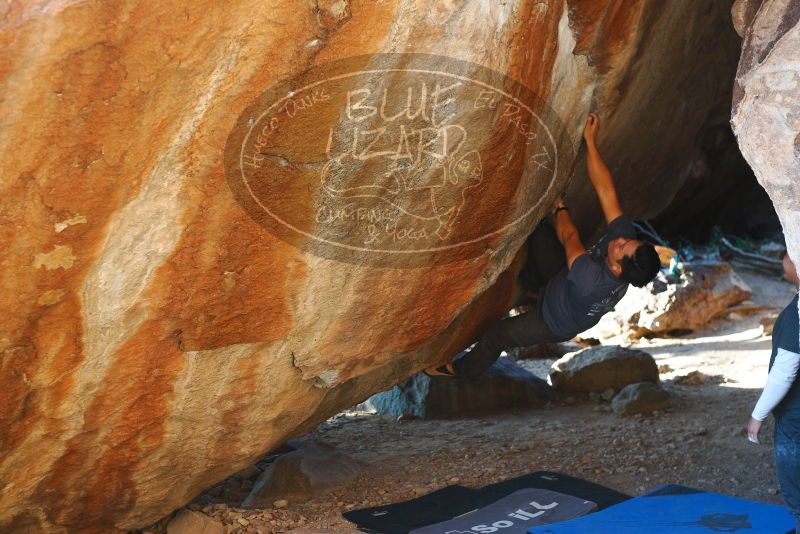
[
  {"x": 570, "y": 288},
  {"x": 781, "y": 397}
]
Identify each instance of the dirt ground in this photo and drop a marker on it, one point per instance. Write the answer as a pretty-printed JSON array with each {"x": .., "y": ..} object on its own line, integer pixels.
[{"x": 699, "y": 442}]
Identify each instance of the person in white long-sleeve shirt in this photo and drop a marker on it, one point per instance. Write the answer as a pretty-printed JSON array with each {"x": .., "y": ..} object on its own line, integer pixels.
[{"x": 781, "y": 397}]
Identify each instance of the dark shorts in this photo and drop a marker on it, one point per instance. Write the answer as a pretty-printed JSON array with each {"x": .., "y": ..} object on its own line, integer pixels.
[{"x": 521, "y": 330}]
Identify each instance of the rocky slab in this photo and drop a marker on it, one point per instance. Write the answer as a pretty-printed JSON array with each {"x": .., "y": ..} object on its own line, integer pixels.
[{"x": 597, "y": 369}]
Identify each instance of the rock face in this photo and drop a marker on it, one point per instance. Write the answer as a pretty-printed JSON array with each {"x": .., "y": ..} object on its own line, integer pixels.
[
  {"x": 191, "y": 522},
  {"x": 766, "y": 109},
  {"x": 300, "y": 475},
  {"x": 503, "y": 386},
  {"x": 673, "y": 304},
  {"x": 644, "y": 397},
  {"x": 152, "y": 325},
  {"x": 742, "y": 13},
  {"x": 597, "y": 369},
  {"x": 768, "y": 323},
  {"x": 696, "y": 378}
]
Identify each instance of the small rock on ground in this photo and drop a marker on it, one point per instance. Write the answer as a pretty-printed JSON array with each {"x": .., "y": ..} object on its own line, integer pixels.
[
  {"x": 191, "y": 522},
  {"x": 644, "y": 397}
]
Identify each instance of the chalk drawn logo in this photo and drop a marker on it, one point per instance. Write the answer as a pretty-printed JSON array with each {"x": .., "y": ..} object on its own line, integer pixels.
[{"x": 397, "y": 159}]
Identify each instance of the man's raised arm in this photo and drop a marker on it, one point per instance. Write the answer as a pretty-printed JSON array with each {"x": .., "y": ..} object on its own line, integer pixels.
[
  {"x": 599, "y": 174},
  {"x": 567, "y": 234}
]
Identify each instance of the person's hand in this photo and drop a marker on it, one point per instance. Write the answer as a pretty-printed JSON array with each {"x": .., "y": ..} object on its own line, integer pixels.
[
  {"x": 590, "y": 130},
  {"x": 554, "y": 206},
  {"x": 753, "y": 426},
  {"x": 559, "y": 203}
]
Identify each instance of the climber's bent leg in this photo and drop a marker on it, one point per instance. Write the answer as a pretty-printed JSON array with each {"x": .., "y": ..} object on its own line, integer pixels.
[{"x": 520, "y": 331}]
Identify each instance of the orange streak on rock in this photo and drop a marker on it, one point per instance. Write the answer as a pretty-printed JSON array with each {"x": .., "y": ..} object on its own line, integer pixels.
[
  {"x": 421, "y": 306},
  {"x": 535, "y": 47},
  {"x": 229, "y": 280},
  {"x": 363, "y": 33},
  {"x": 125, "y": 419},
  {"x": 604, "y": 29},
  {"x": 237, "y": 400}
]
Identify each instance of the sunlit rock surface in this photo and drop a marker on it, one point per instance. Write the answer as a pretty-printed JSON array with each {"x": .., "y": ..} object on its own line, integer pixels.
[
  {"x": 692, "y": 297},
  {"x": 766, "y": 109},
  {"x": 156, "y": 338}
]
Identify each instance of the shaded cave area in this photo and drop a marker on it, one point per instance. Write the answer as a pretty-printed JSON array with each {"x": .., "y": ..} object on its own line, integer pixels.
[{"x": 720, "y": 194}]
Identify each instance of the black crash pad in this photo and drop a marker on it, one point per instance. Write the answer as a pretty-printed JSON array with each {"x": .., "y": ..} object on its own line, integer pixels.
[{"x": 454, "y": 501}]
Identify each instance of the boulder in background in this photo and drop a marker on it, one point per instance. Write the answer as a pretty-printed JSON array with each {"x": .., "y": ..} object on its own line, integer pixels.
[
  {"x": 192, "y": 522},
  {"x": 674, "y": 304},
  {"x": 503, "y": 386},
  {"x": 314, "y": 468},
  {"x": 644, "y": 397},
  {"x": 597, "y": 369}
]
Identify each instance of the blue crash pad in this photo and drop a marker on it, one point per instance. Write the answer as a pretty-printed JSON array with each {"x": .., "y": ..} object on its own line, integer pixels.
[{"x": 678, "y": 510}]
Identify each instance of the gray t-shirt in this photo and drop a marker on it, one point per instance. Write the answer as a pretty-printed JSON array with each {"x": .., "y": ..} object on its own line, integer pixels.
[{"x": 576, "y": 298}]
